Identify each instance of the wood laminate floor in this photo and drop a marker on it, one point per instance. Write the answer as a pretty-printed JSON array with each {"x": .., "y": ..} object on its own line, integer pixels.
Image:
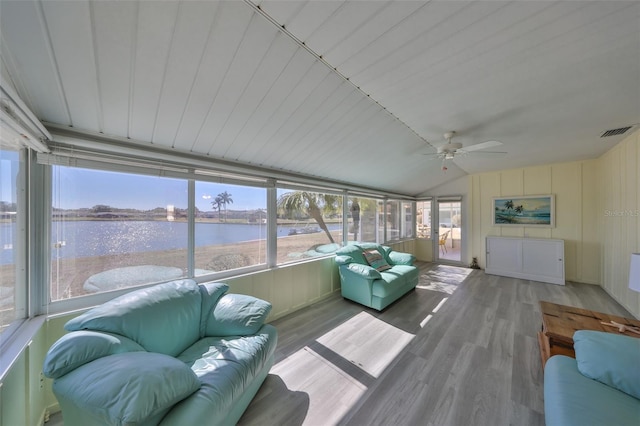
[{"x": 459, "y": 350}]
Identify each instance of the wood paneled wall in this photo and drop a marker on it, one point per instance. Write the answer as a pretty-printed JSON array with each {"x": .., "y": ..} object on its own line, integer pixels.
[
  {"x": 290, "y": 287},
  {"x": 618, "y": 213},
  {"x": 597, "y": 206},
  {"x": 576, "y": 218}
]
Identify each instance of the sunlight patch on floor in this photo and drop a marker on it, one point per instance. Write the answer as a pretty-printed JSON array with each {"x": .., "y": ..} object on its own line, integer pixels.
[
  {"x": 331, "y": 392},
  {"x": 442, "y": 302},
  {"x": 367, "y": 342},
  {"x": 435, "y": 310},
  {"x": 438, "y": 286},
  {"x": 425, "y": 320},
  {"x": 338, "y": 368},
  {"x": 444, "y": 278}
]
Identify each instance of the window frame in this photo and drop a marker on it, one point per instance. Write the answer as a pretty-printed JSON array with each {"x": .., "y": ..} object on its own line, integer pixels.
[
  {"x": 231, "y": 272},
  {"x": 431, "y": 202},
  {"x": 47, "y": 162},
  {"x": 369, "y": 197},
  {"x": 407, "y": 228},
  {"x": 21, "y": 308}
]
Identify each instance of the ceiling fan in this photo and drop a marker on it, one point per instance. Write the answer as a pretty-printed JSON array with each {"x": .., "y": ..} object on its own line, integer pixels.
[{"x": 450, "y": 150}]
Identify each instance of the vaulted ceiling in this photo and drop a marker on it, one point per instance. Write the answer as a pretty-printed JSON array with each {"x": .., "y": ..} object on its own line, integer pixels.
[{"x": 352, "y": 91}]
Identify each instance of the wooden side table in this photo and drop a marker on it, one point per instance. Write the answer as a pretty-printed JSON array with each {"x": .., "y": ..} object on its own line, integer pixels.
[{"x": 559, "y": 322}]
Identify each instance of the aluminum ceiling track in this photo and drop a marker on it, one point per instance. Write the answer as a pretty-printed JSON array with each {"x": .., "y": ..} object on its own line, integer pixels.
[{"x": 333, "y": 69}]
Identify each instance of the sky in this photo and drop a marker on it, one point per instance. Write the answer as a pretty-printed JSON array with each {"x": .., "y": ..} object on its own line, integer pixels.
[
  {"x": 77, "y": 188},
  {"x": 8, "y": 171}
]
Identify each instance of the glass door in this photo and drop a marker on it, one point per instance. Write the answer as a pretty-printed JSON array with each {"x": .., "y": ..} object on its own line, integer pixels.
[{"x": 448, "y": 226}]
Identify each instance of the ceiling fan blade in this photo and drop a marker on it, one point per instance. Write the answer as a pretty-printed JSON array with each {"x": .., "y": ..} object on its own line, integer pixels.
[
  {"x": 483, "y": 145},
  {"x": 477, "y": 154},
  {"x": 433, "y": 156}
]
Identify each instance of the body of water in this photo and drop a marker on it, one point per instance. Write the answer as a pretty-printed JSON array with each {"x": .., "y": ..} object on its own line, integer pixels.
[{"x": 98, "y": 238}]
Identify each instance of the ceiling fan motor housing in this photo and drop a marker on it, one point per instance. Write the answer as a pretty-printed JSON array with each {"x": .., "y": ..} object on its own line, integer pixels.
[{"x": 449, "y": 148}]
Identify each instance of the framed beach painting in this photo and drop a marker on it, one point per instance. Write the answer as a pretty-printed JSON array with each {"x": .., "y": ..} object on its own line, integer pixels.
[{"x": 530, "y": 210}]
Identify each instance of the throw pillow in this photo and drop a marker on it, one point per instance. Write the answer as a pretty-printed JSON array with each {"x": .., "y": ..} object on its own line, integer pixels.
[
  {"x": 375, "y": 259},
  {"x": 129, "y": 388},
  {"x": 609, "y": 358}
]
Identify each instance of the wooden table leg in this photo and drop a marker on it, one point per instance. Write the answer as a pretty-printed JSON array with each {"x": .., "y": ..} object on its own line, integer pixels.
[{"x": 545, "y": 350}]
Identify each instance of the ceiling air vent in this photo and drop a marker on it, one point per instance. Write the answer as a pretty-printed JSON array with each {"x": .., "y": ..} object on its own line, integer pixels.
[{"x": 615, "y": 132}]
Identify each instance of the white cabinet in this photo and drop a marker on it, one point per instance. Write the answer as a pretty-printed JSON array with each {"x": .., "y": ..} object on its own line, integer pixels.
[{"x": 537, "y": 259}]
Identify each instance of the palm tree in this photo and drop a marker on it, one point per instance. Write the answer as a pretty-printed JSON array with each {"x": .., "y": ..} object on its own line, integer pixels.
[
  {"x": 311, "y": 203},
  {"x": 216, "y": 204},
  {"x": 224, "y": 199}
]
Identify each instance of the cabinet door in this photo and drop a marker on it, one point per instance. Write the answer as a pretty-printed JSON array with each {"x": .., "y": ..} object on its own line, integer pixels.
[
  {"x": 504, "y": 254},
  {"x": 543, "y": 258}
]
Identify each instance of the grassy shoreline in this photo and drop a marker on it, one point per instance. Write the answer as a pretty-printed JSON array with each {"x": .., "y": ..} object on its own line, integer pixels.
[{"x": 69, "y": 275}]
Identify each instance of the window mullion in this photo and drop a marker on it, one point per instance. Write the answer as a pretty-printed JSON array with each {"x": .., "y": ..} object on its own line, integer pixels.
[
  {"x": 191, "y": 227},
  {"x": 345, "y": 218},
  {"x": 272, "y": 226},
  {"x": 39, "y": 237}
]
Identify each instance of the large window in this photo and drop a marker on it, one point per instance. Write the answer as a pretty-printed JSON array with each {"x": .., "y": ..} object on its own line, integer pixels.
[
  {"x": 230, "y": 227},
  {"x": 392, "y": 220},
  {"x": 423, "y": 219},
  {"x": 112, "y": 230},
  {"x": 362, "y": 219},
  {"x": 406, "y": 220},
  {"x": 113, "y": 226},
  {"x": 398, "y": 220},
  {"x": 309, "y": 224},
  {"x": 12, "y": 237},
  {"x": 382, "y": 223}
]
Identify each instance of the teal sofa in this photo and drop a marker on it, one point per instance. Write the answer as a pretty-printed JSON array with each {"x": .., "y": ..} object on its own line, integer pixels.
[
  {"x": 375, "y": 287},
  {"x": 177, "y": 353},
  {"x": 601, "y": 386}
]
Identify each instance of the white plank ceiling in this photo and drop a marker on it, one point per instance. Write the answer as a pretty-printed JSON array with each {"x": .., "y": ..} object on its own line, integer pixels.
[{"x": 352, "y": 91}]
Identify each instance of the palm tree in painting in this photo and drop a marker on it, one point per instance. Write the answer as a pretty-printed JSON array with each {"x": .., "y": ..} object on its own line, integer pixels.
[
  {"x": 311, "y": 203},
  {"x": 510, "y": 210}
]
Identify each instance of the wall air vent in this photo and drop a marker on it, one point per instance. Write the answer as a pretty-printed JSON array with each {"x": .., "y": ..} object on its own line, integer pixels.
[{"x": 615, "y": 132}]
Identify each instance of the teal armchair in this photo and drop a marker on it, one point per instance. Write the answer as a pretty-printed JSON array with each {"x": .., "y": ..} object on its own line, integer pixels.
[{"x": 374, "y": 275}]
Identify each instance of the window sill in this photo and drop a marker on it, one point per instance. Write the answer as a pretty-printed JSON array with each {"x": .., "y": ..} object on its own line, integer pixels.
[{"x": 18, "y": 342}]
